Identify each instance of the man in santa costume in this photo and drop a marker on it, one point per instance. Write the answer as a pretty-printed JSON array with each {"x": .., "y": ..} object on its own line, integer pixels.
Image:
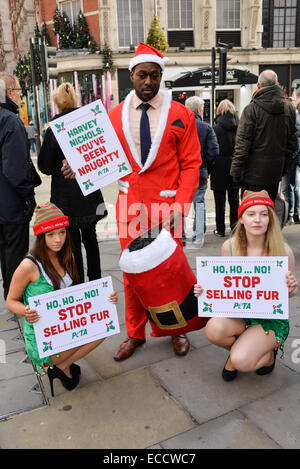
[{"x": 160, "y": 140}]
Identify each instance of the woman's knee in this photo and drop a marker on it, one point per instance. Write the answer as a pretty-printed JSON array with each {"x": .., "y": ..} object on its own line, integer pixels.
[{"x": 216, "y": 329}]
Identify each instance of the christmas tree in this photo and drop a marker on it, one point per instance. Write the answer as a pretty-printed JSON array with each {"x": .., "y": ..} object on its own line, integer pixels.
[
  {"x": 156, "y": 36},
  {"x": 83, "y": 37},
  {"x": 45, "y": 35}
]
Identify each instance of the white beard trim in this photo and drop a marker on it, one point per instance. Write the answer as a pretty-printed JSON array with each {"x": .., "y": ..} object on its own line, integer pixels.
[
  {"x": 161, "y": 126},
  {"x": 150, "y": 256}
]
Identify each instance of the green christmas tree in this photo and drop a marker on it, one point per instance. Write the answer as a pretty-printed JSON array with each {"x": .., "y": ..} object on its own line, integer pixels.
[
  {"x": 156, "y": 36},
  {"x": 45, "y": 35},
  {"x": 84, "y": 40},
  {"x": 107, "y": 60},
  {"x": 62, "y": 27}
]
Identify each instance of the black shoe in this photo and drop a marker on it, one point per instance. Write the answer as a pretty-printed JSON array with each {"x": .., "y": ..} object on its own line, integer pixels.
[
  {"x": 228, "y": 375},
  {"x": 68, "y": 383},
  {"x": 75, "y": 370},
  {"x": 265, "y": 370},
  {"x": 296, "y": 220},
  {"x": 219, "y": 234}
]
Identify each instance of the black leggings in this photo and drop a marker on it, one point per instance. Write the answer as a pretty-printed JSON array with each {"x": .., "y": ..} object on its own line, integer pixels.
[{"x": 87, "y": 235}]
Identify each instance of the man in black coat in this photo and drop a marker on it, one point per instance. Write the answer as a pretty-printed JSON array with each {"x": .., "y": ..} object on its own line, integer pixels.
[
  {"x": 266, "y": 139},
  {"x": 17, "y": 200},
  {"x": 209, "y": 151}
]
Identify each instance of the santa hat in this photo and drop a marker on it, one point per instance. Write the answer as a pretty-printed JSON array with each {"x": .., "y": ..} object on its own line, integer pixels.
[
  {"x": 47, "y": 218},
  {"x": 251, "y": 198},
  {"x": 145, "y": 53}
]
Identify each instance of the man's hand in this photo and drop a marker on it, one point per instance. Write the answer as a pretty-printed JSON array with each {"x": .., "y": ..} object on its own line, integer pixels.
[
  {"x": 67, "y": 171},
  {"x": 173, "y": 222}
]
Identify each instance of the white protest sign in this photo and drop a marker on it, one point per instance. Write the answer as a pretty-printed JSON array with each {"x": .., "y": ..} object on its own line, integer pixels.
[
  {"x": 91, "y": 146},
  {"x": 243, "y": 287},
  {"x": 74, "y": 316}
]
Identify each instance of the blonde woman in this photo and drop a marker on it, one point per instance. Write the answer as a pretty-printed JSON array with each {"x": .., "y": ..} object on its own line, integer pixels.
[
  {"x": 83, "y": 211},
  {"x": 253, "y": 343},
  {"x": 221, "y": 182}
]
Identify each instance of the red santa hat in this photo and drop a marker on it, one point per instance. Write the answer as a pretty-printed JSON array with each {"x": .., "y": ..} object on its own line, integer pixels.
[{"x": 145, "y": 53}]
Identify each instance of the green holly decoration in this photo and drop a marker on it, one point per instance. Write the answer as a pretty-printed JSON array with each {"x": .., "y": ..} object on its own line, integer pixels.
[
  {"x": 207, "y": 307},
  {"x": 60, "y": 127},
  {"x": 122, "y": 167},
  {"x": 204, "y": 263},
  {"x": 110, "y": 326},
  {"x": 96, "y": 110},
  {"x": 277, "y": 309},
  {"x": 87, "y": 184},
  {"x": 47, "y": 346}
]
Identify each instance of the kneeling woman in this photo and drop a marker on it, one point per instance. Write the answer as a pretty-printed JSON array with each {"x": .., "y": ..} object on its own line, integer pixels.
[
  {"x": 253, "y": 343},
  {"x": 49, "y": 266}
]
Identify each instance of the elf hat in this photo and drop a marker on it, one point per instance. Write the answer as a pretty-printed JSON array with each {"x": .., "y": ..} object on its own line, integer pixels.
[
  {"x": 145, "y": 53},
  {"x": 48, "y": 217},
  {"x": 255, "y": 198}
]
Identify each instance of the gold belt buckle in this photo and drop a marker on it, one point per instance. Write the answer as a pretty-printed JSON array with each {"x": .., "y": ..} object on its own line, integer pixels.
[{"x": 173, "y": 306}]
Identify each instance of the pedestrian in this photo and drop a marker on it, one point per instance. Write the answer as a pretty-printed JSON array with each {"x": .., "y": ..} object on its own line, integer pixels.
[
  {"x": 290, "y": 183},
  {"x": 253, "y": 343},
  {"x": 17, "y": 200},
  {"x": 266, "y": 138},
  {"x": 49, "y": 266},
  {"x": 164, "y": 153},
  {"x": 221, "y": 182},
  {"x": 32, "y": 133},
  {"x": 83, "y": 211},
  {"x": 209, "y": 152}
]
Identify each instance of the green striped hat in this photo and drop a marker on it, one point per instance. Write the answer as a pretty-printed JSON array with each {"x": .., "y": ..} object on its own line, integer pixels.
[
  {"x": 255, "y": 198},
  {"x": 48, "y": 217}
]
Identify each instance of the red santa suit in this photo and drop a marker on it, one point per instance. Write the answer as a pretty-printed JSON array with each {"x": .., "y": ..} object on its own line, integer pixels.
[{"x": 168, "y": 180}]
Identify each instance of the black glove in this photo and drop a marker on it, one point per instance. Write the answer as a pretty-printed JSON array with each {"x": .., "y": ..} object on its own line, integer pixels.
[{"x": 30, "y": 206}]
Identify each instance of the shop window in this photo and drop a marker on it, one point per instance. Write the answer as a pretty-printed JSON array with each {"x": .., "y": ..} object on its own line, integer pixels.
[
  {"x": 228, "y": 22},
  {"x": 130, "y": 22},
  {"x": 180, "y": 23}
]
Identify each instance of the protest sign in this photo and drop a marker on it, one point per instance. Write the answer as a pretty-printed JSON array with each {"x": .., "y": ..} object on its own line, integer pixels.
[
  {"x": 91, "y": 146},
  {"x": 243, "y": 287},
  {"x": 74, "y": 316}
]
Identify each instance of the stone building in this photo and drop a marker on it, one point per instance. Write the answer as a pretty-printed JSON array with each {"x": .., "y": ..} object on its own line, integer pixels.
[{"x": 263, "y": 33}]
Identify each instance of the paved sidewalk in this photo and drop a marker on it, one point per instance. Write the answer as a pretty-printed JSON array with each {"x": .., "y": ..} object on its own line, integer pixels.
[{"x": 154, "y": 399}]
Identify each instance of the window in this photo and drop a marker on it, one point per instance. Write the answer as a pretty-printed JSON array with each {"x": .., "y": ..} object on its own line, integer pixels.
[
  {"x": 130, "y": 22},
  {"x": 228, "y": 22},
  {"x": 71, "y": 9},
  {"x": 180, "y": 23},
  {"x": 228, "y": 14},
  {"x": 284, "y": 29},
  {"x": 180, "y": 14}
]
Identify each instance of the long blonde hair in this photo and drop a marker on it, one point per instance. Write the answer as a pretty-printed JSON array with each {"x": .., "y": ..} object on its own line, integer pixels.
[
  {"x": 64, "y": 97},
  {"x": 273, "y": 242}
]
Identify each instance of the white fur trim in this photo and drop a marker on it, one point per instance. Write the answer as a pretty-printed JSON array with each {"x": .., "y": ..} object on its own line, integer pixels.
[
  {"x": 123, "y": 186},
  {"x": 161, "y": 125},
  {"x": 143, "y": 58},
  {"x": 150, "y": 256},
  {"x": 167, "y": 193}
]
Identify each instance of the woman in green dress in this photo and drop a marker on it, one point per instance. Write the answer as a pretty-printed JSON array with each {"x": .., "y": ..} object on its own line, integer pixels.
[
  {"x": 49, "y": 266},
  {"x": 253, "y": 343}
]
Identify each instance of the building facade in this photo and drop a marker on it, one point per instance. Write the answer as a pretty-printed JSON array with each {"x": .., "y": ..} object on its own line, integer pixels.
[{"x": 262, "y": 34}]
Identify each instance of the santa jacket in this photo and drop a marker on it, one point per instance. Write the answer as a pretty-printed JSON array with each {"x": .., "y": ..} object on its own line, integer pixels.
[{"x": 171, "y": 173}]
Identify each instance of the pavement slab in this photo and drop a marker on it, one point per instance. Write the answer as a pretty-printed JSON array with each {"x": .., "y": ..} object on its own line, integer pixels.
[
  {"x": 195, "y": 382},
  {"x": 278, "y": 415},
  {"x": 106, "y": 412}
]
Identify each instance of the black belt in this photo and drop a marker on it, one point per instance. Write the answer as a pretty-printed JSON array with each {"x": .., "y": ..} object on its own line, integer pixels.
[{"x": 172, "y": 315}]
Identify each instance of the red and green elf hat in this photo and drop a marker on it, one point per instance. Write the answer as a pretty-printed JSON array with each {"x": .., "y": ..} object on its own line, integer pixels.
[
  {"x": 48, "y": 217},
  {"x": 255, "y": 198}
]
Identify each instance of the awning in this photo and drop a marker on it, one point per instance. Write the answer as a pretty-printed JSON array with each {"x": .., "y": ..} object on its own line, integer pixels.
[{"x": 202, "y": 77}]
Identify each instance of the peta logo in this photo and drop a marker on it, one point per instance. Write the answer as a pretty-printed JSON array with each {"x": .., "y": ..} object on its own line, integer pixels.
[{"x": 296, "y": 353}]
